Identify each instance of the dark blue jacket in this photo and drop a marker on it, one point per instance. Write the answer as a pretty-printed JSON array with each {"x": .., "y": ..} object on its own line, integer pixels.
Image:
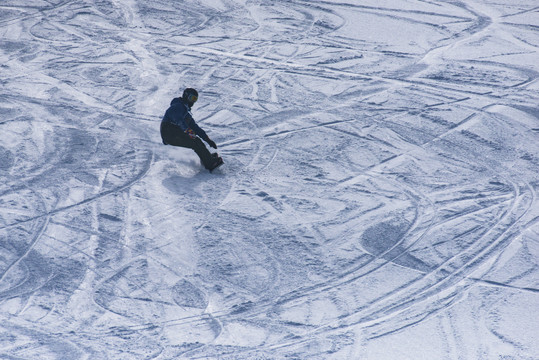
[{"x": 179, "y": 114}]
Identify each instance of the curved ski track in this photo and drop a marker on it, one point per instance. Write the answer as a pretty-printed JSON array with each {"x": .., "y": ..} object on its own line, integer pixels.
[{"x": 368, "y": 186}]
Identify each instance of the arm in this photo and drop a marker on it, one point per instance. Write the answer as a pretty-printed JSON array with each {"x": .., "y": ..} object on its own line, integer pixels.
[
  {"x": 202, "y": 134},
  {"x": 193, "y": 125}
]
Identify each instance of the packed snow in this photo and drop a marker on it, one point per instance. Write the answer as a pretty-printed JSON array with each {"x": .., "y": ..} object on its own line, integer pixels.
[{"x": 378, "y": 198}]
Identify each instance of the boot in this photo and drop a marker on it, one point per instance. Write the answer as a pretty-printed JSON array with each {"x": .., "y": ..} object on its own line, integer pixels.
[{"x": 218, "y": 162}]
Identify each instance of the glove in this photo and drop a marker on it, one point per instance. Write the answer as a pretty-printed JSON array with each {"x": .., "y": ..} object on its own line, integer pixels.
[{"x": 211, "y": 143}]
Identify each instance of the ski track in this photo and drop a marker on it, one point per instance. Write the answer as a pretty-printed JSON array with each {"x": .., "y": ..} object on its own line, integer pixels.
[{"x": 372, "y": 190}]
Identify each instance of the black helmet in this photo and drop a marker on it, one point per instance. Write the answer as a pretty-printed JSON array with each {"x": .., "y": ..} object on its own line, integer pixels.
[{"x": 190, "y": 95}]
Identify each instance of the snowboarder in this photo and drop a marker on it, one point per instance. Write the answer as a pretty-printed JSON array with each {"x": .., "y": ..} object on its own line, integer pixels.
[{"x": 178, "y": 128}]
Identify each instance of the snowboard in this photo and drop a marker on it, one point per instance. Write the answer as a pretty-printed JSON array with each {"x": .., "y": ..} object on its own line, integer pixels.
[{"x": 219, "y": 161}]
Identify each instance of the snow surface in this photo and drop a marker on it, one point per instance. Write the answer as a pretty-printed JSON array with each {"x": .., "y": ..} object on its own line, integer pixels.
[{"x": 378, "y": 199}]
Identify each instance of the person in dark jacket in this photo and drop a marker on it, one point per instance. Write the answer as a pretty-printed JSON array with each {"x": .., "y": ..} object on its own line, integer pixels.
[{"x": 178, "y": 128}]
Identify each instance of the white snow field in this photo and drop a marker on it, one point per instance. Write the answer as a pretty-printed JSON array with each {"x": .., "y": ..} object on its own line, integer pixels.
[{"x": 378, "y": 198}]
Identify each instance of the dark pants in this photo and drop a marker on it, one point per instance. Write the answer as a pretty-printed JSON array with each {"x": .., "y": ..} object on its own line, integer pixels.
[{"x": 173, "y": 135}]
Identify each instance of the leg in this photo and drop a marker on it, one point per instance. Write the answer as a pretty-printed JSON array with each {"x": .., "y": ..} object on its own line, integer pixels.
[
  {"x": 173, "y": 135},
  {"x": 203, "y": 153}
]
